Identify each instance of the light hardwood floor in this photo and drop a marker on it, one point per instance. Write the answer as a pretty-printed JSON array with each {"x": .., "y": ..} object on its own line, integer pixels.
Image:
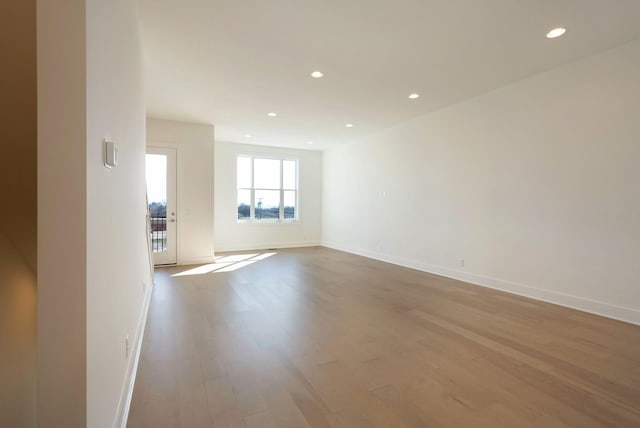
[{"x": 320, "y": 338}]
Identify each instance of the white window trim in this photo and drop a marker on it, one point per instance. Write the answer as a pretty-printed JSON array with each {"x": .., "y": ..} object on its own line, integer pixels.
[{"x": 252, "y": 190}]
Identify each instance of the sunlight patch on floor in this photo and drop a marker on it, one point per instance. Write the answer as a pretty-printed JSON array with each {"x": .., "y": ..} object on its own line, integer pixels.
[{"x": 226, "y": 264}]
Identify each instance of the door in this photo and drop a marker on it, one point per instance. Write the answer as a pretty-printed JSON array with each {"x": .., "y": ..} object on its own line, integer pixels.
[{"x": 161, "y": 194}]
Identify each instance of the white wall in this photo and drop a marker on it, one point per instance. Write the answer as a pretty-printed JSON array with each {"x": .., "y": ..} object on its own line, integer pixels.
[
  {"x": 92, "y": 253},
  {"x": 62, "y": 232},
  {"x": 534, "y": 185},
  {"x": 194, "y": 145},
  {"x": 231, "y": 235},
  {"x": 118, "y": 274}
]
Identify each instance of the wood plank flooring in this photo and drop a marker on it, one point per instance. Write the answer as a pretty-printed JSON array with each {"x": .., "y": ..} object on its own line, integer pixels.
[{"x": 319, "y": 338}]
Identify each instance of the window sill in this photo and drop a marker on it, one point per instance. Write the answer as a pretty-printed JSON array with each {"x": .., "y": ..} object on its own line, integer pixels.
[{"x": 283, "y": 222}]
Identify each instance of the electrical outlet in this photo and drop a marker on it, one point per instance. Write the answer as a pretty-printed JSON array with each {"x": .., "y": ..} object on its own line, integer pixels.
[
  {"x": 126, "y": 346},
  {"x": 461, "y": 262}
]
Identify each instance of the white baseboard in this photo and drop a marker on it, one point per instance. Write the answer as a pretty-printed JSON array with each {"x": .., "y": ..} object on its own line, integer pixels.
[
  {"x": 127, "y": 390},
  {"x": 580, "y": 303},
  {"x": 267, "y": 246}
]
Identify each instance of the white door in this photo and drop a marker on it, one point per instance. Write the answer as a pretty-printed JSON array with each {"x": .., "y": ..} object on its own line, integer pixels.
[{"x": 161, "y": 193}]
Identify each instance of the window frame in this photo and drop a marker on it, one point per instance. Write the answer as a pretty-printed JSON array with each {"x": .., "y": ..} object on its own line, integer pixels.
[{"x": 252, "y": 190}]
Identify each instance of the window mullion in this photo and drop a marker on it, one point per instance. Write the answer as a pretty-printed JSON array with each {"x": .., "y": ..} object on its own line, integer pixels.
[
  {"x": 281, "y": 211},
  {"x": 252, "y": 211}
]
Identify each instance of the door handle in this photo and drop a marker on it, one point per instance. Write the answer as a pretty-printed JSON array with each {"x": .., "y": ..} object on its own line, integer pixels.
[{"x": 172, "y": 220}]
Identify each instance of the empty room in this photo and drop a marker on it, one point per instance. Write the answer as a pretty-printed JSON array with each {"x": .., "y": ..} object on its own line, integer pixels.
[{"x": 288, "y": 213}]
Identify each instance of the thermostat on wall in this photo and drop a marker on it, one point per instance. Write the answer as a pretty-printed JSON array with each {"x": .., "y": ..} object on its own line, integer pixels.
[{"x": 110, "y": 154}]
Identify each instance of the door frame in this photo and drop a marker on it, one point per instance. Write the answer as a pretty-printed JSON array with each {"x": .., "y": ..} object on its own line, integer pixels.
[{"x": 172, "y": 169}]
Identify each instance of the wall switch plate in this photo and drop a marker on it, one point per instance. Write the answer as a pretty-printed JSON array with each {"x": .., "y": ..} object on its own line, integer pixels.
[{"x": 110, "y": 154}]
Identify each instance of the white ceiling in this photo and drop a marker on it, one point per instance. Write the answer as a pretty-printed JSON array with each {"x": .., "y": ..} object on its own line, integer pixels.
[{"x": 230, "y": 62}]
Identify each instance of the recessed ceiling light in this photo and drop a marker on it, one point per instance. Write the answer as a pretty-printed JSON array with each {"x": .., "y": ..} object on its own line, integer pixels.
[
  {"x": 247, "y": 135},
  {"x": 349, "y": 125},
  {"x": 556, "y": 32},
  {"x": 317, "y": 74},
  {"x": 414, "y": 96},
  {"x": 309, "y": 142},
  {"x": 272, "y": 114}
]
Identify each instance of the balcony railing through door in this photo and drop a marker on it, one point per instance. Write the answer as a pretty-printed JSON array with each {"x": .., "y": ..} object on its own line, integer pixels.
[{"x": 159, "y": 234}]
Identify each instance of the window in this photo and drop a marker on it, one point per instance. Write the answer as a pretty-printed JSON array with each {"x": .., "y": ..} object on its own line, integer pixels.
[{"x": 267, "y": 189}]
